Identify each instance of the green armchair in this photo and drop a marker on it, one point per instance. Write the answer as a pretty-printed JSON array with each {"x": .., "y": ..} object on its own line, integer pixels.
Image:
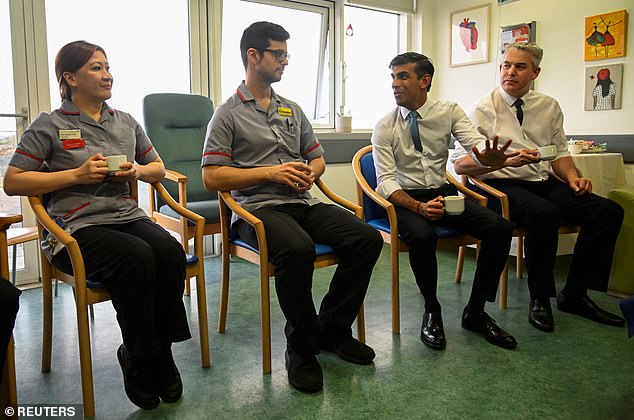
[{"x": 176, "y": 123}]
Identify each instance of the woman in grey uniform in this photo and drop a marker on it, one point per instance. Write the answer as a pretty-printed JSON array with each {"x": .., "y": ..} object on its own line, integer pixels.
[{"x": 62, "y": 154}]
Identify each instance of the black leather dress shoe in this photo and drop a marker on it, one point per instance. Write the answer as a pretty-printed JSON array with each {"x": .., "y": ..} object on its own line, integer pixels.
[
  {"x": 432, "y": 332},
  {"x": 170, "y": 385},
  {"x": 304, "y": 372},
  {"x": 139, "y": 383},
  {"x": 351, "y": 350},
  {"x": 540, "y": 315},
  {"x": 481, "y": 322},
  {"x": 586, "y": 308}
]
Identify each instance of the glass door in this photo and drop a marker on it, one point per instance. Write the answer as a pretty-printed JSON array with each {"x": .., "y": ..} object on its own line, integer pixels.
[{"x": 14, "y": 118}]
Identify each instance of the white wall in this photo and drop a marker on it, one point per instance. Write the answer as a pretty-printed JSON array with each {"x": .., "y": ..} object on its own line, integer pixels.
[{"x": 560, "y": 32}]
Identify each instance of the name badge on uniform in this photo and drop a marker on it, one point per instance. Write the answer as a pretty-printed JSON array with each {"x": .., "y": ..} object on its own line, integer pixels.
[
  {"x": 69, "y": 134},
  {"x": 73, "y": 144},
  {"x": 284, "y": 112}
]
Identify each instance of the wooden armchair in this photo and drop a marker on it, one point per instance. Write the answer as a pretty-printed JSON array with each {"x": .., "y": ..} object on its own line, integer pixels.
[
  {"x": 381, "y": 214},
  {"x": 88, "y": 292},
  {"x": 239, "y": 248},
  {"x": 518, "y": 232}
]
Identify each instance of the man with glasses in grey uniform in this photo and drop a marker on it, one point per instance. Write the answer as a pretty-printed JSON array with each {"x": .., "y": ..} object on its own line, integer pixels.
[{"x": 262, "y": 147}]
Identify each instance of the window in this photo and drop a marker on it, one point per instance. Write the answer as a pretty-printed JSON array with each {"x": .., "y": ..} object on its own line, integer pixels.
[
  {"x": 147, "y": 43},
  {"x": 307, "y": 79},
  {"x": 371, "y": 41}
]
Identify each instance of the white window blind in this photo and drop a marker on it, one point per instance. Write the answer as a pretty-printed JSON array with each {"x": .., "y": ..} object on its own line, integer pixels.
[{"x": 401, "y": 6}]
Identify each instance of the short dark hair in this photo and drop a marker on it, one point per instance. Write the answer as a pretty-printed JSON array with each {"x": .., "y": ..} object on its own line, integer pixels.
[
  {"x": 423, "y": 64},
  {"x": 71, "y": 58},
  {"x": 258, "y": 36}
]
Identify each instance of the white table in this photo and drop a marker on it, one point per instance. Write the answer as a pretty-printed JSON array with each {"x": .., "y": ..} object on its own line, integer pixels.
[{"x": 605, "y": 170}]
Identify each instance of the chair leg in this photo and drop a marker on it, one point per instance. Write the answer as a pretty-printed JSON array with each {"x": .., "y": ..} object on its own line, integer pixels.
[
  {"x": 504, "y": 279},
  {"x": 85, "y": 359},
  {"x": 265, "y": 302},
  {"x": 224, "y": 290},
  {"x": 361, "y": 325},
  {"x": 202, "y": 318},
  {"x": 460, "y": 263},
  {"x": 14, "y": 263},
  {"x": 396, "y": 315},
  {"x": 188, "y": 288},
  {"x": 520, "y": 257},
  {"x": 47, "y": 318}
]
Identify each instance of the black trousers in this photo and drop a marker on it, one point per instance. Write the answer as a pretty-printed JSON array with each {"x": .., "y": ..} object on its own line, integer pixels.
[
  {"x": 420, "y": 236},
  {"x": 9, "y": 305},
  {"x": 143, "y": 269},
  {"x": 540, "y": 208},
  {"x": 291, "y": 230}
]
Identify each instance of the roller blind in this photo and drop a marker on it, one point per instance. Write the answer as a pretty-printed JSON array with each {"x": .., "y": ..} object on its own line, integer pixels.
[{"x": 402, "y": 6}]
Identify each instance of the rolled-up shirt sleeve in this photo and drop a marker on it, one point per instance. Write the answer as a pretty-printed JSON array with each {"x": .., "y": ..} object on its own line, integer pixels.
[
  {"x": 219, "y": 138},
  {"x": 384, "y": 161}
]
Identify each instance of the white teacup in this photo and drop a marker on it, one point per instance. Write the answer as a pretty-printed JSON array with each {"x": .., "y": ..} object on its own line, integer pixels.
[
  {"x": 575, "y": 149},
  {"x": 454, "y": 204},
  {"x": 547, "y": 152},
  {"x": 114, "y": 162}
]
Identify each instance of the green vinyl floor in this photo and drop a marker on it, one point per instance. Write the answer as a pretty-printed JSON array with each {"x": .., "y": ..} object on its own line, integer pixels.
[{"x": 582, "y": 370}]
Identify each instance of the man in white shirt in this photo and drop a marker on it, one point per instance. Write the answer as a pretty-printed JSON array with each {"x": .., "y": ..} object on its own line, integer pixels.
[
  {"x": 410, "y": 154},
  {"x": 542, "y": 194}
]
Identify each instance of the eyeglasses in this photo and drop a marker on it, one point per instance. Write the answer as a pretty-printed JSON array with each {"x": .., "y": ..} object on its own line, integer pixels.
[{"x": 280, "y": 55}]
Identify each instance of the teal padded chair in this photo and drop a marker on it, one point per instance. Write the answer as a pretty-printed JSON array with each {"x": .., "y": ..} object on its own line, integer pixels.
[
  {"x": 177, "y": 123},
  {"x": 621, "y": 279}
]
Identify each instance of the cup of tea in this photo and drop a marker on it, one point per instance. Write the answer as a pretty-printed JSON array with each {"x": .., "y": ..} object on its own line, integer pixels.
[
  {"x": 114, "y": 163},
  {"x": 454, "y": 204},
  {"x": 547, "y": 152}
]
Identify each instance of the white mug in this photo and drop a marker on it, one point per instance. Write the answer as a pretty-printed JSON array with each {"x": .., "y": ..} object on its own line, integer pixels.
[
  {"x": 454, "y": 204},
  {"x": 547, "y": 152},
  {"x": 114, "y": 162},
  {"x": 575, "y": 149}
]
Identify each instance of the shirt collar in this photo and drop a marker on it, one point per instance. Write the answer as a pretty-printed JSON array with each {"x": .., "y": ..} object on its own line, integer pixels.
[
  {"x": 510, "y": 100},
  {"x": 246, "y": 96},
  {"x": 69, "y": 108},
  {"x": 421, "y": 111}
]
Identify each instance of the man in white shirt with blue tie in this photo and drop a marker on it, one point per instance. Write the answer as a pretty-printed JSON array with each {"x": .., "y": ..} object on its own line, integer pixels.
[
  {"x": 543, "y": 194},
  {"x": 410, "y": 149}
]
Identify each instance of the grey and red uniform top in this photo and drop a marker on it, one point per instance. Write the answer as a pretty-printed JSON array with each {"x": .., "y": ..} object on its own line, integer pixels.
[{"x": 64, "y": 139}]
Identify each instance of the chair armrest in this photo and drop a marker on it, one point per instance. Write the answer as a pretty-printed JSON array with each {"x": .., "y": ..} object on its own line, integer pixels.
[
  {"x": 356, "y": 209},
  {"x": 6, "y": 220},
  {"x": 173, "y": 176},
  {"x": 178, "y": 208},
  {"x": 226, "y": 202},
  {"x": 482, "y": 200},
  {"x": 504, "y": 200}
]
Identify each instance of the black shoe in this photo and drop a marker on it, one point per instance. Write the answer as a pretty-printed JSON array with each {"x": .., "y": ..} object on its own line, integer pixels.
[
  {"x": 481, "y": 322},
  {"x": 586, "y": 308},
  {"x": 540, "y": 315},
  {"x": 432, "y": 332},
  {"x": 351, "y": 350},
  {"x": 170, "y": 385},
  {"x": 139, "y": 384},
  {"x": 304, "y": 372}
]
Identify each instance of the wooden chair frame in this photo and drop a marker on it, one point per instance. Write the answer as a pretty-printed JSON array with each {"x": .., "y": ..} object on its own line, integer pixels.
[
  {"x": 228, "y": 205},
  {"x": 8, "y": 390},
  {"x": 181, "y": 226},
  {"x": 85, "y": 296},
  {"x": 396, "y": 245},
  {"x": 518, "y": 233}
]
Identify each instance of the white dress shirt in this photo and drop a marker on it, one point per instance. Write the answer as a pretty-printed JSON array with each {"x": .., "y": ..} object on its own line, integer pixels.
[
  {"x": 399, "y": 165},
  {"x": 542, "y": 126}
]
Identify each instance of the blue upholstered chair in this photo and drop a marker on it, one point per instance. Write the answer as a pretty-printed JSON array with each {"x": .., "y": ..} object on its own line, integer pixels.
[
  {"x": 380, "y": 214},
  {"x": 88, "y": 292},
  {"x": 233, "y": 245}
]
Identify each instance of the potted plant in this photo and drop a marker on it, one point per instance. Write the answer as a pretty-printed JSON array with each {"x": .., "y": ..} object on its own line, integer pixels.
[{"x": 343, "y": 122}]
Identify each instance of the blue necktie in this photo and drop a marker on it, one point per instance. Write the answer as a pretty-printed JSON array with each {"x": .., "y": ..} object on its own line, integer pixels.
[
  {"x": 413, "y": 129},
  {"x": 520, "y": 113}
]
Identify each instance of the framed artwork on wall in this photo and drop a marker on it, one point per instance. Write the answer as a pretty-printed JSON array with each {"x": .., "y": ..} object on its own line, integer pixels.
[
  {"x": 603, "y": 87},
  {"x": 523, "y": 32},
  {"x": 605, "y": 35},
  {"x": 469, "y": 36}
]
